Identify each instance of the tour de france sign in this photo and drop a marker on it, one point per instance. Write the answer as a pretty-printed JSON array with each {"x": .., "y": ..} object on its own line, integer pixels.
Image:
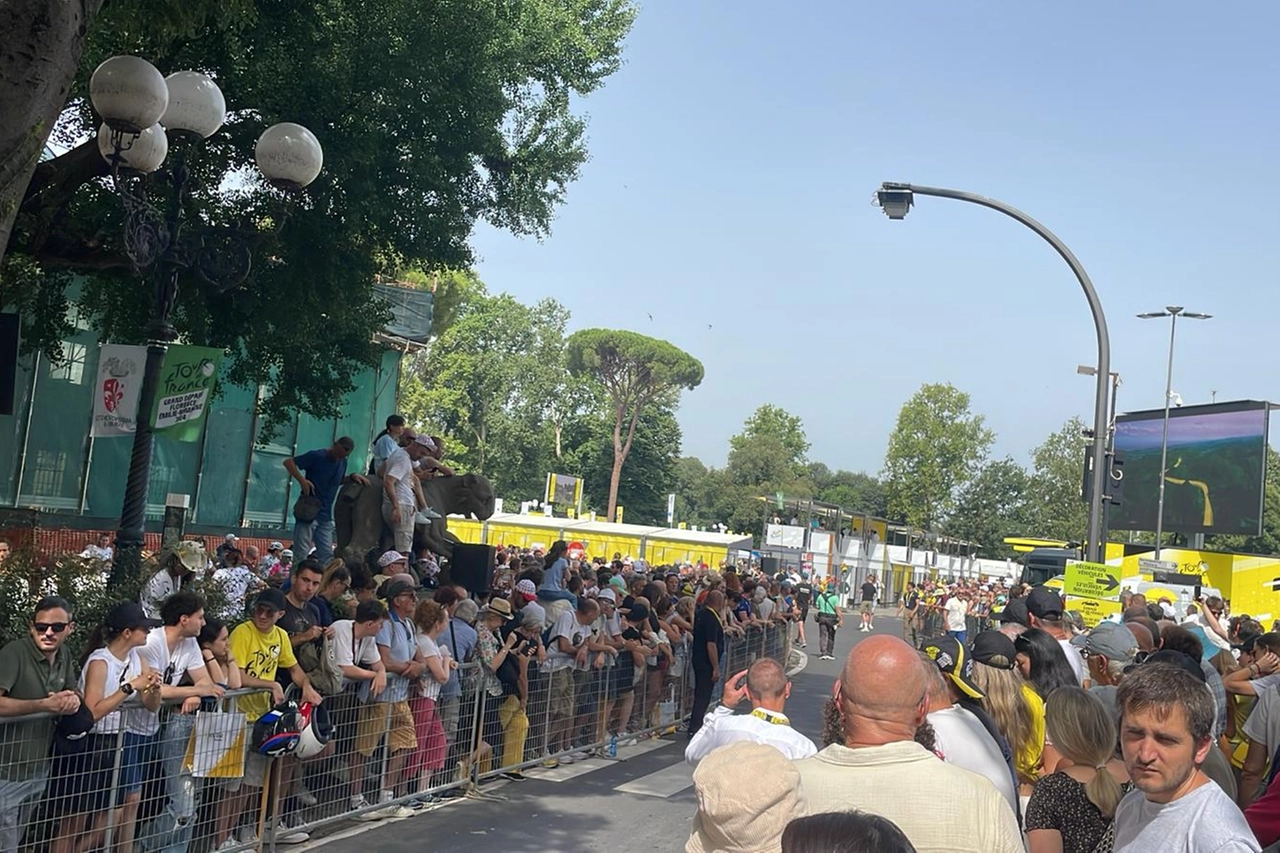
[{"x": 187, "y": 382}]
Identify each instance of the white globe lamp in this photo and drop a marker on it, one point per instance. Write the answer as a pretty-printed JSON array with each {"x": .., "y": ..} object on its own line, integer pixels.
[
  {"x": 196, "y": 104},
  {"x": 289, "y": 155},
  {"x": 129, "y": 93},
  {"x": 145, "y": 154}
]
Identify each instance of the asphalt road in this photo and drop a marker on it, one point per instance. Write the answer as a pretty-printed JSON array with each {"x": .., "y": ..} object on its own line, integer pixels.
[{"x": 644, "y": 801}]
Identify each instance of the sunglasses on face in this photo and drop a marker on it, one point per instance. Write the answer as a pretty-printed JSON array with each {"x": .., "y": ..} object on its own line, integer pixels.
[{"x": 46, "y": 627}]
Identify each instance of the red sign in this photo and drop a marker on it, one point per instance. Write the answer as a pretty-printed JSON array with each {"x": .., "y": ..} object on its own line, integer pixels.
[{"x": 576, "y": 550}]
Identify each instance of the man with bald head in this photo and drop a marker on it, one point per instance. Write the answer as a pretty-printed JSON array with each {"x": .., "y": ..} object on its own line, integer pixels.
[
  {"x": 766, "y": 685},
  {"x": 882, "y": 699}
]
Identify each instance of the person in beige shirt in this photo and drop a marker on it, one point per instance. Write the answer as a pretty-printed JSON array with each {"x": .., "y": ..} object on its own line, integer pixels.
[{"x": 881, "y": 700}]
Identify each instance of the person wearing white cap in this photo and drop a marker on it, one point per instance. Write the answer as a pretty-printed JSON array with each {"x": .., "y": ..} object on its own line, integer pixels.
[
  {"x": 402, "y": 494},
  {"x": 525, "y": 599}
]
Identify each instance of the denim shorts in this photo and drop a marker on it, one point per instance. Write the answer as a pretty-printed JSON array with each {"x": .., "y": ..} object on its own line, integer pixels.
[{"x": 139, "y": 751}]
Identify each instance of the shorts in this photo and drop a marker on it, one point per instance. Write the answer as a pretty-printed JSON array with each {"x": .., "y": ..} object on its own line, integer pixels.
[
  {"x": 587, "y": 689},
  {"x": 560, "y": 695},
  {"x": 139, "y": 751},
  {"x": 344, "y": 716},
  {"x": 803, "y": 612},
  {"x": 393, "y": 719},
  {"x": 868, "y": 607},
  {"x": 622, "y": 680},
  {"x": 256, "y": 767}
]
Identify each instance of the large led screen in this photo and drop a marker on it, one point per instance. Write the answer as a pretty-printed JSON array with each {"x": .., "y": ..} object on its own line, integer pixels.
[{"x": 1214, "y": 474}]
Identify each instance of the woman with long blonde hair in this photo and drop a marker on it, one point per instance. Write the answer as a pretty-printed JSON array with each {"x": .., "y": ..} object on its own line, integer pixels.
[
  {"x": 1017, "y": 709},
  {"x": 1073, "y": 808}
]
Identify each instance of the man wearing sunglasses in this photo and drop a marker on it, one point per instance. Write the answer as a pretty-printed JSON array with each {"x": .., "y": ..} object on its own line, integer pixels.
[{"x": 37, "y": 675}]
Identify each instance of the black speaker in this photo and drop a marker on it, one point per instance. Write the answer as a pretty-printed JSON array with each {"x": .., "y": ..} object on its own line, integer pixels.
[
  {"x": 472, "y": 567},
  {"x": 769, "y": 565}
]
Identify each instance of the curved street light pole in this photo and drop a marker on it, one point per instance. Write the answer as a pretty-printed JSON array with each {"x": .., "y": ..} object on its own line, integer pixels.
[{"x": 896, "y": 199}]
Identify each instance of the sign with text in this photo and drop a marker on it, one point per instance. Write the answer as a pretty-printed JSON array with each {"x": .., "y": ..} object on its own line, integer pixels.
[
  {"x": 118, "y": 387},
  {"x": 784, "y": 536},
  {"x": 187, "y": 380},
  {"x": 1093, "y": 610},
  {"x": 1091, "y": 580}
]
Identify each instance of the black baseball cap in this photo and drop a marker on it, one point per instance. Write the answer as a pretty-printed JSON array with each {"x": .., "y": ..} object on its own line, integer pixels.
[
  {"x": 126, "y": 615},
  {"x": 1015, "y": 612},
  {"x": 270, "y": 597},
  {"x": 955, "y": 663},
  {"x": 638, "y": 613},
  {"x": 1044, "y": 603},
  {"x": 995, "y": 650}
]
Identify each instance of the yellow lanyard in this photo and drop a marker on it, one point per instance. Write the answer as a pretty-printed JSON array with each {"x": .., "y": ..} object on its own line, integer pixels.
[{"x": 771, "y": 717}]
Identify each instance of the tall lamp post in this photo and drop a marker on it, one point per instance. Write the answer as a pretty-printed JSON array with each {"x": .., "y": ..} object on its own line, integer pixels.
[
  {"x": 1173, "y": 312},
  {"x": 895, "y": 199},
  {"x": 141, "y": 112}
]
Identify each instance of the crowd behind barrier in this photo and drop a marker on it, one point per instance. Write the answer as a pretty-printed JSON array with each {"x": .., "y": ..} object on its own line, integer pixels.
[{"x": 176, "y": 786}]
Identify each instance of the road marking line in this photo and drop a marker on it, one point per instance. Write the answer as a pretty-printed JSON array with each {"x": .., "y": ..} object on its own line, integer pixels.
[{"x": 662, "y": 783}]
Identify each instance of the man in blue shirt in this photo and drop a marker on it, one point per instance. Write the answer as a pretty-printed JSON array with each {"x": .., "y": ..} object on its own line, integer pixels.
[{"x": 320, "y": 473}]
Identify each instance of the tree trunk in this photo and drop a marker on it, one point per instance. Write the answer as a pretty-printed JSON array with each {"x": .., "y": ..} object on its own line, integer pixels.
[
  {"x": 619, "y": 456},
  {"x": 39, "y": 53}
]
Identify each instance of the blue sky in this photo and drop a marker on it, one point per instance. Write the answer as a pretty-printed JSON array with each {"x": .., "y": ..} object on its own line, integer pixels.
[{"x": 735, "y": 155}]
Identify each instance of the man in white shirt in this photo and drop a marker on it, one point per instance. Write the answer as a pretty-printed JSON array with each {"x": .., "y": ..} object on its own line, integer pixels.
[
  {"x": 176, "y": 568},
  {"x": 1044, "y": 610},
  {"x": 99, "y": 549},
  {"x": 355, "y": 650},
  {"x": 401, "y": 492},
  {"x": 957, "y": 608},
  {"x": 765, "y": 684},
  {"x": 174, "y": 651},
  {"x": 1166, "y": 725}
]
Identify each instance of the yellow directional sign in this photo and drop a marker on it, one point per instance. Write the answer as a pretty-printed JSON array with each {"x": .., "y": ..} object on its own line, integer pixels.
[
  {"x": 1091, "y": 580},
  {"x": 1093, "y": 610}
]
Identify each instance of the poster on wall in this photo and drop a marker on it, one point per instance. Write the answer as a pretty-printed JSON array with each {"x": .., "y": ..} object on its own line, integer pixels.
[
  {"x": 117, "y": 389},
  {"x": 187, "y": 380}
]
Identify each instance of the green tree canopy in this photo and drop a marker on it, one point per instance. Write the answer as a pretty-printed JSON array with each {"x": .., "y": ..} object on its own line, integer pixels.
[
  {"x": 994, "y": 505},
  {"x": 636, "y": 371},
  {"x": 432, "y": 117},
  {"x": 935, "y": 449},
  {"x": 1057, "y": 509}
]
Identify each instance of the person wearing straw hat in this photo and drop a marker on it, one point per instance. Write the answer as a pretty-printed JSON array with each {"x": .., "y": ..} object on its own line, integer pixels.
[{"x": 747, "y": 794}]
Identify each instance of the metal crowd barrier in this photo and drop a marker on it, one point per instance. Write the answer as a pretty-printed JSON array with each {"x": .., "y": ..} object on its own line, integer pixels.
[{"x": 195, "y": 790}]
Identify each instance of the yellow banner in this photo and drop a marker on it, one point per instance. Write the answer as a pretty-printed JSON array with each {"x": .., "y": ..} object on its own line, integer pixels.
[{"x": 1094, "y": 610}]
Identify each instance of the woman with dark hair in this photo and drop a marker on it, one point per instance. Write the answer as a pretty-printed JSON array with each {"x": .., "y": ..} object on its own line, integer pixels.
[
  {"x": 112, "y": 672},
  {"x": 844, "y": 832},
  {"x": 385, "y": 443},
  {"x": 554, "y": 580},
  {"x": 1043, "y": 663}
]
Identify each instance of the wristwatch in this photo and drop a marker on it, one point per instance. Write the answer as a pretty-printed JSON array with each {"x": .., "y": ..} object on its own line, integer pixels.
[{"x": 126, "y": 689}]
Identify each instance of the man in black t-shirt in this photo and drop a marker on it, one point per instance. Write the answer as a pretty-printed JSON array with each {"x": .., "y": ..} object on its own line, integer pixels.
[
  {"x": 301, "y": 619},
  {"x": 909, "y": 610},
  {"x": 868, "y": 602},
  {"x": 804, "y": 596},
  {"x": 708, "y": 648}
]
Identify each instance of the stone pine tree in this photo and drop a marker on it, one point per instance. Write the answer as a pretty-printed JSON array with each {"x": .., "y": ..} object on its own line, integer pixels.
[{"x": 636, "y": 371}]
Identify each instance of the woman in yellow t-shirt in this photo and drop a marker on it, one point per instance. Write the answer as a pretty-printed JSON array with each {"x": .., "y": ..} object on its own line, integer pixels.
[{"x": 1017, "y": 709}]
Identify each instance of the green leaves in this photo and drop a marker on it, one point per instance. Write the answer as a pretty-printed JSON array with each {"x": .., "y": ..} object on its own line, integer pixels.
[
  {"x": 432, "y": 117},
  {"x": 935, "y": 449},
  {"x": 636, "y": 371}
]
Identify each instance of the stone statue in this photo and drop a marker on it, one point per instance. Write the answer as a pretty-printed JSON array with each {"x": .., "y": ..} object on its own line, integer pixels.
[{"x": 357, "y": 514}]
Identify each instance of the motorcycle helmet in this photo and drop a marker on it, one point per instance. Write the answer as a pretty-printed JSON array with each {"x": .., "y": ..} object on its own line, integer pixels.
[
  {"x": 276, "y": 732},
  {"x": 316, "y": 732}
]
